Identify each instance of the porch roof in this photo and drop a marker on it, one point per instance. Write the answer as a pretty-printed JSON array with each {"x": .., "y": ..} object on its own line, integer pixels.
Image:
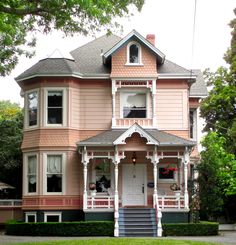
[{"x": 109, "y": 137}]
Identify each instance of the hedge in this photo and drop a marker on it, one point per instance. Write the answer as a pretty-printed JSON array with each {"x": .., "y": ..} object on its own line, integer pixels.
[
  {"x": 103, "y": 228},
  {"x": 88, "y": 228},
  {"x": 191, "y": 229}
]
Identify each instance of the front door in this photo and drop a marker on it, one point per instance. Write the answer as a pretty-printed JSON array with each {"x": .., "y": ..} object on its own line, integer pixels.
[{"x": 134, "y": 188}]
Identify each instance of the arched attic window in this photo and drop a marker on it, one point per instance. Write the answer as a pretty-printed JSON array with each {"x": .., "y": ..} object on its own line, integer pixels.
[{"x": 133, "y": 54}]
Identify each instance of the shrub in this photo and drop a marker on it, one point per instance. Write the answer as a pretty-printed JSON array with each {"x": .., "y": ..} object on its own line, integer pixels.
[
  {"x": 88, "y": 228},
  {"x": 191, "y": 229}
]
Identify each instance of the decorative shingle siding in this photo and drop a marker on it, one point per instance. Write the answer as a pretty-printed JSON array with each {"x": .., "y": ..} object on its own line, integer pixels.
[{"x": 120, "y": 69}]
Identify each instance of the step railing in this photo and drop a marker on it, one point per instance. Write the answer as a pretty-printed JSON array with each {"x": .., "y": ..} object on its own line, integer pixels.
[{"x": 158, "y": 215}]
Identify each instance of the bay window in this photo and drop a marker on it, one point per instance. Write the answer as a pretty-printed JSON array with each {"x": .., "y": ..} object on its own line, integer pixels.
[
  {"x": 32, "y": 109},
  {"x": 54, "y": 173},
  {"x": 32, "y": 174}
]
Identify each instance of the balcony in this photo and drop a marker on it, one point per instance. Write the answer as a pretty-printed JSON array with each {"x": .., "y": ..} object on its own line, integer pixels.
[{"x": 127, "y": 122}]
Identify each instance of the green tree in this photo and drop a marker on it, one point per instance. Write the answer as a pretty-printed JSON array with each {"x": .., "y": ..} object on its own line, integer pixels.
[
  {"x": 11, "y": 127},
  {"x": 217, "y": 168},
  {"x": 21, "y": 17}
]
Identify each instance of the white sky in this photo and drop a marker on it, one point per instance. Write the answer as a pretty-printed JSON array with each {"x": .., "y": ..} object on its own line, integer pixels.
[{"x": 172, "y": 23}]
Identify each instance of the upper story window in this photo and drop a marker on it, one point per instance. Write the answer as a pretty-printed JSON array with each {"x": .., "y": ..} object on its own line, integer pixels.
[
  {"x": 133, "y": 54},
  {"x": 32, "y": 109},
  {"x": 55, "y": 107},
  {"x": 134, "y": 105},
  {"x": 193, "y": 124}
]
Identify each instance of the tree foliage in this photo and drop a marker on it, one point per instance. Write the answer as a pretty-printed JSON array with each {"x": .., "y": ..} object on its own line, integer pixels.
[
  {"x": 21, "y": 17},
  {"x": 217, "y": 168},
  {"x": 11, "y": 126}
]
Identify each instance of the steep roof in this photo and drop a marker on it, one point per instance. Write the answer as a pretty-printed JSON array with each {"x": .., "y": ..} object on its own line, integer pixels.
[
  {"x": 108, "y": 138},
  {"x": 88, "y": 60}
]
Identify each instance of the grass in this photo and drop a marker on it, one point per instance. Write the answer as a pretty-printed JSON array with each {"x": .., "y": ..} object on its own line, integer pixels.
[{"x": 120, "y": 241}]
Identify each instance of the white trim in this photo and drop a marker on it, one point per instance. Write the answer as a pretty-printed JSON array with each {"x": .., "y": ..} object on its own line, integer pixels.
[
  {"x": 58, "y": 214},
  {"x": 171, "y": 181},
  {"x": 63, "y": 155},
  {"x": 25, "y": 173},
  {"x": 64, "y": 106},
  {"x": 30, "y": 214},
  {"x": 26, "y": 112},
  {"x": 135, "y": 128},
  {"x": 139, "y": 63}
]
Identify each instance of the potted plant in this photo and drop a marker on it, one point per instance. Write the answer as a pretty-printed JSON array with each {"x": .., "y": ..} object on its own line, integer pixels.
[
  {"x": 176, "y": 189},
  {"x": 92, "y": 188}
]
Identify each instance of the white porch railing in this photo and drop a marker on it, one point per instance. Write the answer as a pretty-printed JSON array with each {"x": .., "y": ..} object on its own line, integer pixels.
[
  {"x": 10, "y": 203},
  {"x": 171, "y": 202},
  {"x": 100, "y": 202},
  {"x": 127, "y": 122}
]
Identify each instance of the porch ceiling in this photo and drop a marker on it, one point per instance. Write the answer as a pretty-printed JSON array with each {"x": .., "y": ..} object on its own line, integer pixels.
[{"x": 109, "y": 137}]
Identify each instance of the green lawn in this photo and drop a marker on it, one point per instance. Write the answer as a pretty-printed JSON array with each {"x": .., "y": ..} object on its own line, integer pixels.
[{"x": 115, "y": 241}]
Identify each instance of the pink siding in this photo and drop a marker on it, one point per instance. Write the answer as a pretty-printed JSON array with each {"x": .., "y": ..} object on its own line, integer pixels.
[
  {"x": 171, "y": 109},
  {"x": 95, "y": 111}
]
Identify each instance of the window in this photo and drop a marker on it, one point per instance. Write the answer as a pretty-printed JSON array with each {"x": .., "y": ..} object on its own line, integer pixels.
[
  {"x": 55, "y": 107},
  {"x": 102, "y": 175},
  {"x": 30, "y": 217},
  {"x": 52, "y": 217},
  {"x": 134, "y": 105},
  {"x": 32, "y": 174},
  {"x": 167, "y": 172},
  {"x": 192, "y": 124},
  {"x": 133, "y": 54},
  {"x": 54, "y": 173},
  {"x": 32, "y": 109}
]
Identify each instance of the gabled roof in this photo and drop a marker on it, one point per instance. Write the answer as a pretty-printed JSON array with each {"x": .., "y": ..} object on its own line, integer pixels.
[
  {"x": 111, "y": 138},
  {"x": 134, "y": 35}
]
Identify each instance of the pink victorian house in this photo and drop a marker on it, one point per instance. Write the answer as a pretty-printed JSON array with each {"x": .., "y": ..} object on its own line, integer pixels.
[{"x": 110, "y": 134}]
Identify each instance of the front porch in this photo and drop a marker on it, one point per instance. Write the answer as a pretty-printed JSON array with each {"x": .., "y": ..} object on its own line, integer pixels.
[{"x": 135, "y": 170}]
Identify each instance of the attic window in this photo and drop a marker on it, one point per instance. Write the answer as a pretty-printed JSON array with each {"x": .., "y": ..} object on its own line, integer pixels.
[{"x": 133, "y": 54}]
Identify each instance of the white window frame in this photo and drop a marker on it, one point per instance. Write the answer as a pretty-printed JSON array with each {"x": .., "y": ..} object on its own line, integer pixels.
[
  {"x": 58, "y": 214},
  {"x": 139, "y": 54},
  {"x": 27, "y": 214},
  {"x": 26, "y": 119},
  {"x": 141, "y": 91},
  {"x": 25, "y": 174},
  {"x": 194, "y": 110},
  {"x": 163, "y": 165},
  {"x": 64, "y": 106},
  {"x": 45, "y": 155}
]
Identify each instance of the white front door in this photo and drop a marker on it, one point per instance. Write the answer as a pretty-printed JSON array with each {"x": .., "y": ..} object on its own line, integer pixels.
[{"x": 134, "y": 185}]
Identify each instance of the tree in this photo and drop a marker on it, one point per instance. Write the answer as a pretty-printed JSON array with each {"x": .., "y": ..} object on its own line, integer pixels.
[
  {"x": 21, "y": 17},
  {"x": 11, "y": 127},
  {"x": 217, "y": 168}
]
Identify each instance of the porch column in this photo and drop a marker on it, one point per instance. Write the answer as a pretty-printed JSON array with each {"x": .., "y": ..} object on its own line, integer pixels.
[
  {"x": 116, "y": 161},
  {"x": 85, "y": 161},
  {"x": 186, "y": 161},
  {"x": 113, "y": 103}
]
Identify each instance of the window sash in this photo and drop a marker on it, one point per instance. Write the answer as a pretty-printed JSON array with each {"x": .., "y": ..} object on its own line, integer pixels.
[
  {"x": 32, "y": 101},
  {"x": 55, "y": 107},
  {"x": 32, "y": 174}
]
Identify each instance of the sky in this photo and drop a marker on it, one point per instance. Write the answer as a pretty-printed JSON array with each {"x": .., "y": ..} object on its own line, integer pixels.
[{"x": 172, "y": 23}]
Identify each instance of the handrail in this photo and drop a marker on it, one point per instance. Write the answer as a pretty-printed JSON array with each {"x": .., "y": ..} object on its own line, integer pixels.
[
  {"x": 167, "y": 202},
  {"x": 100, "y": 201},
  {"x": 158, "y": 216}
]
